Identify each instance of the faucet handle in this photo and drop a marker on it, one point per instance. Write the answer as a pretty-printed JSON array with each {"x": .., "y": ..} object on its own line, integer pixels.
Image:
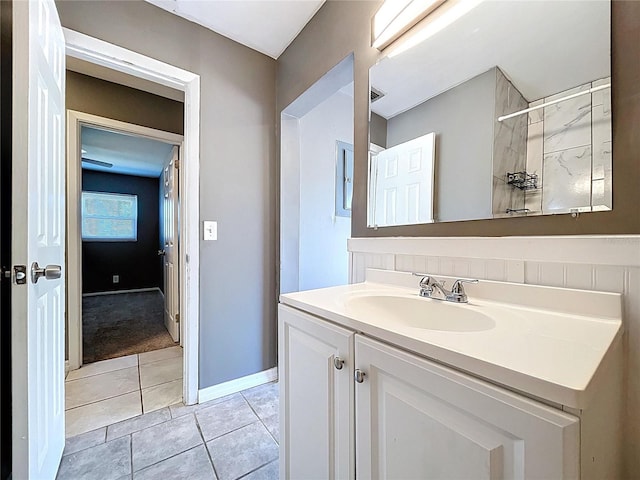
[
  {"x": 425, "y": 280},
  {"x": 425, "y": 284},
  {"x": 457, "y": 285}
]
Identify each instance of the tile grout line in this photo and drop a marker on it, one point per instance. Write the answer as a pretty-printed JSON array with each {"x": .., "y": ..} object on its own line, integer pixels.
[
  {"x": 263, "y": 425},
  {"x": 158, "y": 384},
  {"x": 141, "y": 429},
  {"x": 161, "y": 359},
  {"x": 117, "y": 369},
  {"x": 131, "y": 453},
  {"x": 90, "y": 377},
  {"x": 232, "y": 431},
  {"x": 262, "y": 421},
  {"x": 67, "y": 379},
  {"x": 91, "y": 446},
  {"x": 206, "y": 447},
  {"x": 140, "y": 390},
  {"x": 255, "y": 469},
  {"x": 164, "y": 459},
  {"x": 106, "y": 427},
  {"x": 98, "y": 401}
]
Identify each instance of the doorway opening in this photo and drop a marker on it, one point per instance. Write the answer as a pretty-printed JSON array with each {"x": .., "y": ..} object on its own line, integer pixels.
[
  {"x": 128, "y": 223},
  {"x": 128, "y": 337},
  {"x": 316, "y": 185}
]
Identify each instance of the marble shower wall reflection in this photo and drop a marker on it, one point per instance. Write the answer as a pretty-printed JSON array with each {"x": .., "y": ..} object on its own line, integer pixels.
[
  {"x": 509, "y": 146},
  {"x": 569, "y": 148}
]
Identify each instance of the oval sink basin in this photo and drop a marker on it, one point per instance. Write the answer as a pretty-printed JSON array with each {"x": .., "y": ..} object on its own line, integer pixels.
[{"x": 417, "y": 312}]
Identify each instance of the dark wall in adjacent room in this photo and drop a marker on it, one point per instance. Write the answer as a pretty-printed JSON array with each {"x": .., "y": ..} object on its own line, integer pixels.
[{"x": 137, "y": 263}]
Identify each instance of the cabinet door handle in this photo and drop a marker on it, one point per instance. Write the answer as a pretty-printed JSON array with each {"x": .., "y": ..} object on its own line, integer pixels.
[
  {"x": 338, "y": 363},
  {"x": 359, "y": 376}
]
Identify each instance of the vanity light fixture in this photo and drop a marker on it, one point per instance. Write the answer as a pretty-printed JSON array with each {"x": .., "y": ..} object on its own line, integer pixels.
[
  {"x": 419, "y": 19},
  {"x": 395, "y": 17}
]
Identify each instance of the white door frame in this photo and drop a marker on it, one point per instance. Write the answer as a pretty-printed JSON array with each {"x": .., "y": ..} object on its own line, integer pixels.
[{"x": 120, "y": 59}]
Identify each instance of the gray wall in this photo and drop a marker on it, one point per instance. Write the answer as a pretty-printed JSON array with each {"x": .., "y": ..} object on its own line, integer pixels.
[
  {"x": 462, "y": 119},
  {"x": 106, "y": 99},
  {"x": 378, "y": 133},
  {"x": 237, "y": 172}
]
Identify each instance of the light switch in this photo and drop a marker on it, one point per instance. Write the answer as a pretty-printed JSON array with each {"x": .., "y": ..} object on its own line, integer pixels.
[{"x": 210, "y": 230}]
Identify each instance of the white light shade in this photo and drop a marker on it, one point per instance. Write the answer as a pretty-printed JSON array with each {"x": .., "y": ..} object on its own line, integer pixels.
[
  {"x": 444, "y": 16},
  {"x": 396, "y": 16}
]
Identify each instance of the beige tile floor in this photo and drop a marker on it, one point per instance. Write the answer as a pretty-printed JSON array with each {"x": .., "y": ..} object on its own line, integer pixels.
[{"x": 110, "y": 391}]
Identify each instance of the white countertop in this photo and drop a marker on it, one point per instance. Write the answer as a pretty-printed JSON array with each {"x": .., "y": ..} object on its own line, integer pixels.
[{"x": 548, "y": 342}]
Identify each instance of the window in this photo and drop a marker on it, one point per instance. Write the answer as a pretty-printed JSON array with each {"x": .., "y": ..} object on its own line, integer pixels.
[
  {"x": 109, "y": 217},
  {"x": 344, "y": 179}
]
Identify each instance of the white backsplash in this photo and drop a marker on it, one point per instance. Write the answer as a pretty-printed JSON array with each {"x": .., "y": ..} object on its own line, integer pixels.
[{"x": 610, "y": 264}]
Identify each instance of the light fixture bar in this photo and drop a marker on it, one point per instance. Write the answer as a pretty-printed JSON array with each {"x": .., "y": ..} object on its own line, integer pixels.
[
  {"x": 433, "y": 23},
  {"x": 552, "y": 102},
  {"x": 395, "y": 17}
]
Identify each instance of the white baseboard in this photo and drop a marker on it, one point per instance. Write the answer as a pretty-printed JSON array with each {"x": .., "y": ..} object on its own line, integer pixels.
[
  {"x": 115, "y": 292},
  {"x": 237, "y": 385}
]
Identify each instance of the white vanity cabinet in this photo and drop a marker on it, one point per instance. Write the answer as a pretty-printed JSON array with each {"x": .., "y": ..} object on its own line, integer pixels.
[
  {"x": 389, "y": 414},
  {"x": 416, "y": 419},
  {"x": 315, "y": 362}
]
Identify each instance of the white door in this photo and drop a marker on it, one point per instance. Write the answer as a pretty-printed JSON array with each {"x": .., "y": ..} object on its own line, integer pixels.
[
  {"x": 38, "y": 217},
  {"x": 418, "y": 420},
  {"x": 404, "y": 183},
  {"x": 170, "y": 247},
  {"x": 315, "y": 362}
]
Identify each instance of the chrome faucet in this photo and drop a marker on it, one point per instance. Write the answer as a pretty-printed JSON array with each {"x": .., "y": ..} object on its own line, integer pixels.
[{"x": 429, "y": 285}]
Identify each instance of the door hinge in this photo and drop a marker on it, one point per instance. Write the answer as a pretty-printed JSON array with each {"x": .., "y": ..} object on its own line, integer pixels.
[
  {"x": 176, "y": 164},
  {"x": 177, "y": 318}
]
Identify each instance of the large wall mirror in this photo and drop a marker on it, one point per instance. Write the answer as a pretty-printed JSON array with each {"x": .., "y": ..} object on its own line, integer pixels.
[{"x": 505, "y": 112}]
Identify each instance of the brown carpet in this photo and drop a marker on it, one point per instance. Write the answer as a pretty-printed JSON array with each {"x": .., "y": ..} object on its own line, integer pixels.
[{"x": 123, "y": 324}]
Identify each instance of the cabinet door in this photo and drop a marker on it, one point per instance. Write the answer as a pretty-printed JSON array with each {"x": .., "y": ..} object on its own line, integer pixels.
[
  {"x": 419, "y": 420},
  {"x": 316, "y": 398}
]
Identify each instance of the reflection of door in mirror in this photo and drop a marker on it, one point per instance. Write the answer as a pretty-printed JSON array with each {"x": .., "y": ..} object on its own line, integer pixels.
[{"x": 403, "y": 192}]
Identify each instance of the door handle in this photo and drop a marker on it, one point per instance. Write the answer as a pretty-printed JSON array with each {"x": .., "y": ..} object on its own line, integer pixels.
[
  {"x": 359, "y": 375},
  {"x": 50, "y": 272}
]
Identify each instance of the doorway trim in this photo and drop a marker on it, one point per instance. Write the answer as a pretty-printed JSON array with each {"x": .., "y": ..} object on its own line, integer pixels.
[{"x": 108, "y": 55}]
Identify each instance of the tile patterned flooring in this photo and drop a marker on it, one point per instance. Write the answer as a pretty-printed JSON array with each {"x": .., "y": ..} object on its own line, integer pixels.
[
  {"x": 110, "y": 391},
  {"x": 225, "y": 439}
]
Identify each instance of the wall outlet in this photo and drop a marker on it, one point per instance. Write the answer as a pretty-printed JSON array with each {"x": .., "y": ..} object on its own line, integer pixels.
[{"x": 116, "y": 279}]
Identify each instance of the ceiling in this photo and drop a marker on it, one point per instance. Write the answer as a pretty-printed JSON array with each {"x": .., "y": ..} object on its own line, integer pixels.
[
  {"x": 129, "y": 154},
  {"x": 543, "y": 47},
  {"x": 268, "y": 26}
]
